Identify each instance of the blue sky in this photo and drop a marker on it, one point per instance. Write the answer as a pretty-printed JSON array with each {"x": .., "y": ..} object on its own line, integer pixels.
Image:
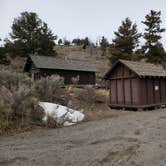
[{"x": 80, "y": 18}]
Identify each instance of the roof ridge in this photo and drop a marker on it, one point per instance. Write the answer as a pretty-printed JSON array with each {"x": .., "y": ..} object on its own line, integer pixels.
[{"x": 59, "y": 58}]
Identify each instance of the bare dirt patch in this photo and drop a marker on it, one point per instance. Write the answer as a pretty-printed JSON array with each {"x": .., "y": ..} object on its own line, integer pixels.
[{"x": 105, "y": 142}]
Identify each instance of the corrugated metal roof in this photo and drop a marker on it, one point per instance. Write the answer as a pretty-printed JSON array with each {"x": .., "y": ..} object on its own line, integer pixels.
[
  {"x": 142, "y": 68},
  {"x": 47, "y": 62}
]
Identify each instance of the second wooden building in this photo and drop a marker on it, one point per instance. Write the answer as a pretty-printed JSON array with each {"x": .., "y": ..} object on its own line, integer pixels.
[{"x": 136, "y": 85}]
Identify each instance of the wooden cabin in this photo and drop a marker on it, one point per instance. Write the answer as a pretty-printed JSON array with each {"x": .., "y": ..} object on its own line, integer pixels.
[
  {"x": 42, "y": 66},
  {"x": 136, "y": 85}
]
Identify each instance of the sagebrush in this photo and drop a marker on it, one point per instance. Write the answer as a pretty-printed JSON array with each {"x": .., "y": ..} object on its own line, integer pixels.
[{"x": 20, "y": 95}]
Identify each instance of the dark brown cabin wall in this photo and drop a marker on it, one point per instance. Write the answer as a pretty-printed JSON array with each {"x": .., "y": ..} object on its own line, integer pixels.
[
  {"x": 151, "y": 95},
  {"x": 120, "y": 91},
  {"x": 142, "y": 92},
  {"x": 135, "y": 91},
  {"x": 127, "y": 91},
  {"x": 113, "y": 91},
  {"x": 120, "y": 72},
  {"x": 124, "y": 88},
  {"x": 157, "y": 92},
  {"x": 85, "y": 77},
  {"x": 147, "y": 91},
  {"x": 163, "y": 90}
]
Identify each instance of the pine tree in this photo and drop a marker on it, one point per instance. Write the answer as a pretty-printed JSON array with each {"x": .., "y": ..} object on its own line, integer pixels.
[
  {"x": 31, "y": 35},
  {"x": 153, "y": 49},
  {"x": 66, "y": 42},
  {"x": 125, "y": 42},
  {"x": 103, "y": 45},
  {"x": 156, "y": 54},
  {"x": 59, "y": 41},
  {"x": 3, "y": 56},
  {"x": 86, "y": 42},
  {"x": 153, "y": 29},
  {"x": 77, "y": 42}
]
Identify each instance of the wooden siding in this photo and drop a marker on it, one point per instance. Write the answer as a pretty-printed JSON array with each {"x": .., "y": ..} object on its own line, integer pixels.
[
  {"x": 153, "y": 91},
  {"x": 124, "y": 88},
  {"x": 129, "y": 90},
  {"x": 84, "y": 77}
]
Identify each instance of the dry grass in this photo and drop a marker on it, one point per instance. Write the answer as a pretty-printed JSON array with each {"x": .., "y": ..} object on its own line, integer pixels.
[
  {"x": 96, "y": 109},
  {"x": 98, "y": 114},
  {"x": 18, "y": 97},
  {"x": 93, "y": 102}
]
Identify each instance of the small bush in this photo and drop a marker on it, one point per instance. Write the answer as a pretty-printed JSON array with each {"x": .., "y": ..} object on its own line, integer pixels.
[
  {"x": 89, "y": 95},
  {"x": 16, "y": 101},
  {"x": 12, "y": 80},
  {"x": 15, "y": 108},
  {"x": 50, "y": 90},
  {"x": 19, "y": 95}
]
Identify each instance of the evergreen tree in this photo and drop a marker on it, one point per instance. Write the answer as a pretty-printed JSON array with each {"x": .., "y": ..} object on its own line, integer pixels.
[
  {"x": 86, "y": 42},
  {"x": 153, "y": 29},
  {"x": 59, "y": 41},
  {"x": 77, "y": 41},
  {"x": 103, "y": 45},
  {"x": 156, "y": 54},
  {"x": 3, "y": 56},
  {"x": 125, "y": 42},
  {"x": 66, "y": 42},
  {"x": 153, "y": 49},
  {"x": 81, "y": 42},
  {"x": 31, "y": 35}
]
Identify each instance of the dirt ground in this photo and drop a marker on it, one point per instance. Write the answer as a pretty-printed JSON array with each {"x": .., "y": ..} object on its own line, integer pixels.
[{"x": 130, "y": 139}]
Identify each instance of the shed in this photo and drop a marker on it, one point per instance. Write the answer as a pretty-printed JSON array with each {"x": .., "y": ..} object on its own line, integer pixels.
[
  {"x": 42, "y": 66},
  {"x": 136, "y": 85}
]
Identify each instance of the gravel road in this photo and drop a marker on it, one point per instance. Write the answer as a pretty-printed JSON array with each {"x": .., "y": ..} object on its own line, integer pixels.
[{"x": 130, "y": 139}]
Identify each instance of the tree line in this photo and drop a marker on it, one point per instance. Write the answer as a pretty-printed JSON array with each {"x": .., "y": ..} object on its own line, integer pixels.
[{"x": 30, "y": 35}]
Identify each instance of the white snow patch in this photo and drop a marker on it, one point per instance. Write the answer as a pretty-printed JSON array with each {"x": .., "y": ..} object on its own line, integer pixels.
[{"x": 61, "y": 113}]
